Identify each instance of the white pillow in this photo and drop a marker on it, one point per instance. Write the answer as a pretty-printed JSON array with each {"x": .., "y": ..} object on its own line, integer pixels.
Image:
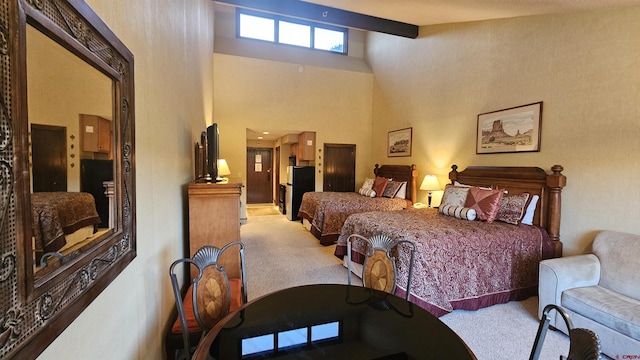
[
  {"x": 402, "y": 193},
  {"x": 456, "y": 183},
  {"x": 531, "y": 209}
]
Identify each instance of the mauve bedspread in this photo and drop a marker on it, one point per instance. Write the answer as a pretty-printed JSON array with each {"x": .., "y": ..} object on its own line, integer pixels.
[
  {"x": 459, "y": 264},
  {"x": 327, "y": 211},
  {"x": 58, "y": 213}
]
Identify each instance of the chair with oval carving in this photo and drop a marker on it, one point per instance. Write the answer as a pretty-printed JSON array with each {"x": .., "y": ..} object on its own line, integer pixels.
[
  {"x": 584, "y": 344},
  {"x": 210, "y": 296},
  {"x": 379, "y": 268}
]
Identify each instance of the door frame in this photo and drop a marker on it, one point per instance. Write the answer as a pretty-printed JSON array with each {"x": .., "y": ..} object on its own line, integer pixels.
[{"x": 271, "y": 176}]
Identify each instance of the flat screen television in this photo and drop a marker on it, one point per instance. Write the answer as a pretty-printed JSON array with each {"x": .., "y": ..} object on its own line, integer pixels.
[{"x": 213, "y": 151}]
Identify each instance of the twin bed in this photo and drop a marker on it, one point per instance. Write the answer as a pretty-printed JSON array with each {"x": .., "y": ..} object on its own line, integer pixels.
[
  {"x": 324, "y": 213},
  {"x": 462, "y": 264}
]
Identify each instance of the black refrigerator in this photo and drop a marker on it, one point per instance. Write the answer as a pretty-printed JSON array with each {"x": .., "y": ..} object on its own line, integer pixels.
[
  {"x": 300, "y": 179},
  {"x": 92, "y": 174}
]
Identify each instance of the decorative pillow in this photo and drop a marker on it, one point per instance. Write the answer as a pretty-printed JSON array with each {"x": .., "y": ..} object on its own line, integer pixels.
[
  {"x": 402, "y": 192},
  {"x": 485, "y": 202},
  {"x": 379, "y": 184},
  {"x": 458, "y": 211},
  {"x": 367, "y": 192},
  {"x": 454, "y": 195},
  {"x": 512, "y": 208},
  {"x": 367, "y": 184},
  {"x": 531, "y": 209},
  {"x": 366, "y": 188},
  {"x": 392, "y": 189}
]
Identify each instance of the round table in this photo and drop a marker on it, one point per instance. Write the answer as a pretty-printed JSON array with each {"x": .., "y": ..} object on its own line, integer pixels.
[{"x": 331, "y": 321}]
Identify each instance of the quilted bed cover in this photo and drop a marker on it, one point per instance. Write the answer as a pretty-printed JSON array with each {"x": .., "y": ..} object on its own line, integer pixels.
[
  {"x": 327, "y": 211},
  {"x": 58, "y": 213},
  {"x": 459, "y": 264}
]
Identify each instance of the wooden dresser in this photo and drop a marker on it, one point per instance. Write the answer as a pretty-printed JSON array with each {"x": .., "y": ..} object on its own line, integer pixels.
[{"x": 214, "y": 219}]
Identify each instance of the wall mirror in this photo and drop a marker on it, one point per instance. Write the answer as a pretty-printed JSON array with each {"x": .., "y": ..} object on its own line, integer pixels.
[{"x": 67, "y": 192}]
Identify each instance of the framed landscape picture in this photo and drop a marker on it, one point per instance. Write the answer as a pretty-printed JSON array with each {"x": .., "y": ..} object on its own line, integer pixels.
[
  {"x": 399, "y": 143},
  {"x": 510, "y": 130}
]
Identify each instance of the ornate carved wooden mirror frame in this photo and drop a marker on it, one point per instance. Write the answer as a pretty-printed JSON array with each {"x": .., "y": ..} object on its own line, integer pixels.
[{"x": 34, "y": 312}]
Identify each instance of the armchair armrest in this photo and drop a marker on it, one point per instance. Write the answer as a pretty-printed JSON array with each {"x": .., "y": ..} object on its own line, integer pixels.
[{"x": 560, "y": 274}]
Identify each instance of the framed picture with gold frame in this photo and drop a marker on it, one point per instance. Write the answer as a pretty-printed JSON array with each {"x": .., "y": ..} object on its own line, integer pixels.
[{"x": 399, "y": 143}]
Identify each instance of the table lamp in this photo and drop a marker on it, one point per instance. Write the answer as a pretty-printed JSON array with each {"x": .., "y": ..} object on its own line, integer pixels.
[
  {"x": 223, "y": 169},
  {"x": 430, "y": 183}
]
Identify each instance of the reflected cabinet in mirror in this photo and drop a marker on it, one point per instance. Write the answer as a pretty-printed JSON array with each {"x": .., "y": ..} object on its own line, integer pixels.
[{"x": 67, "y": 201}]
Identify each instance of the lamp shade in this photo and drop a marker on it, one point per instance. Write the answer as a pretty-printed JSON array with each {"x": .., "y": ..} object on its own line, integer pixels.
[
  {"x": 223, "y": 168},
  {"x": 430, "y": 183}
]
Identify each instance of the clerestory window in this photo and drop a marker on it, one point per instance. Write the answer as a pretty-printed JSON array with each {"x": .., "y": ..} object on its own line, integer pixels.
[{"x": 289, "y": 31}]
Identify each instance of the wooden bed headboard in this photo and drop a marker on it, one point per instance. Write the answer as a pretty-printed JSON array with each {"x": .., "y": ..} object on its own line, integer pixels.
[
  {"x": 516, "y": 180},
  {"x": 406, "y": 173}
]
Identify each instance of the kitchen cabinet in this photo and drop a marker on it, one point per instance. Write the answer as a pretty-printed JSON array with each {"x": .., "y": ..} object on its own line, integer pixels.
[
  {"x": 96, "y": 133},
  {"x": 306, "y": 146}
]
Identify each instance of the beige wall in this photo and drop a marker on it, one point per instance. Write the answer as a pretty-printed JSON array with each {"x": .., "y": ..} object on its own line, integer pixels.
[
  {"x": 584, "y": 67},
  {"x": 258, "y": 94},
  {"x": 172, "y": 42}
]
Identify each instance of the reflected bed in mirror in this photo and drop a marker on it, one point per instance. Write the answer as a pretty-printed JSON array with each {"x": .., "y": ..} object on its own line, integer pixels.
[{"x": 68, "y": 80}]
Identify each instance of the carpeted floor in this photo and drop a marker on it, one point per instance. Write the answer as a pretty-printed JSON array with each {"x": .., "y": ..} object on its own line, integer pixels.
[
  {"x": 281, "y": 253},
  {"x": 262, "y": 210}
]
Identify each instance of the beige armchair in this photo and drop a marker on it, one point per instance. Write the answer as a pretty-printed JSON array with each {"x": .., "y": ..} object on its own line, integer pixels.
[{"x": 600, "y": 291}]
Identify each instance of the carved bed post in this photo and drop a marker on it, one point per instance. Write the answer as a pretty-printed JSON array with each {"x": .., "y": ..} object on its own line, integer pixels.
[
  {"x": 109, "y": 192},
  {"x": 453, "y": 174},
  {"x": 555, "y": 182},
  {"x": 414, "y": 184}
]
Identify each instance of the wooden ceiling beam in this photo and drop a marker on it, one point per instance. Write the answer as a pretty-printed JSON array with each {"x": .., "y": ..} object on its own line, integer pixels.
[{"x": 325, "y": 14}]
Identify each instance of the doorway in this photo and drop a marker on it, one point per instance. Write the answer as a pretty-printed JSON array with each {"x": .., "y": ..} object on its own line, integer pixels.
[
  {"x": 49, "y": 157},
  {"x": 339, "y": 167},
  {"x": 259, "y": 176}
]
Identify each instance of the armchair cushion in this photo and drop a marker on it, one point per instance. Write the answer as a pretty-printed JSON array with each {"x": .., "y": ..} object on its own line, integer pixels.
[{"x": 606, "y": 307}]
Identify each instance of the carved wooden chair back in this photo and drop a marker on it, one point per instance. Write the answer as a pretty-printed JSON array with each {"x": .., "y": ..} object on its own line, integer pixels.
[
  {"x": 584, "y": 344},
  {"x": 211, "y": 295},
  {"x": 379, "y": 268}
]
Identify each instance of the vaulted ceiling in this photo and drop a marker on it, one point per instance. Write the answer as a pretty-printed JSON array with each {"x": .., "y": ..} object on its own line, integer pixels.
[{"x": 429, "y": 12}]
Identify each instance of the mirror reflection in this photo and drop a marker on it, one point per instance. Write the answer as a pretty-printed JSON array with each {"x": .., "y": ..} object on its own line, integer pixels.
[{"x": 70, "y": 108}]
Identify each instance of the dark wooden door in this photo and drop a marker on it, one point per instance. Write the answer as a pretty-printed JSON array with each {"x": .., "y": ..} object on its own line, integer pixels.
[
  {"x": 339, "y": 167},
  {"x": 259, "y": 176},
  {"x": 49, "y": 157},
  {"x": 277, "y": 168}
]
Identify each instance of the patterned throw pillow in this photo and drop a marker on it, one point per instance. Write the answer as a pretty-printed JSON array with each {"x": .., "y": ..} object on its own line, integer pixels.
[
  {"x": 458, "y": 211},
  {"x": 512, "y": 208},
  {"x": 454, "y": 195},
  {"x": 368, "y": 183},
  {"x": 392, "y": 189},
  {"x": 366, "y": 188},
  {"x": 485, "y": 202},
  {"x": 379, "y": 185}
]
